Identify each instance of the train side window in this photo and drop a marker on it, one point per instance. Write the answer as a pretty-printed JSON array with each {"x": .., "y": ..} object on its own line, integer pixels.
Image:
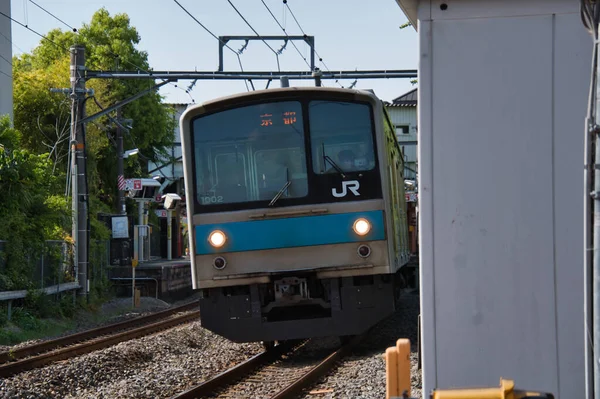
[{"x": 341, "y": 132}]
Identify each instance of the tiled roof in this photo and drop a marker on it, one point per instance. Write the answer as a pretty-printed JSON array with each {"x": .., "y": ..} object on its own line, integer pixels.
[{"x": 408, "y": 99}]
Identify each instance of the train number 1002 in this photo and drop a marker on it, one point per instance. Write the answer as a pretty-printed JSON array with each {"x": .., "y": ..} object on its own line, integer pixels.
[{"x": 211, "y": 200}]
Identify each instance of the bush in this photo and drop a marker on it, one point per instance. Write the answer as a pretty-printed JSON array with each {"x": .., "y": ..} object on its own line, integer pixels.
[
  {"x": 39, "y": 304},
  {"x": 22, "y": 318},
  {"x": 67, "y": 306}
]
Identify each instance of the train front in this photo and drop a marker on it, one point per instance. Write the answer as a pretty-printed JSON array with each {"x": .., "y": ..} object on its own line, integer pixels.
[{"x": 286, "y": 213}]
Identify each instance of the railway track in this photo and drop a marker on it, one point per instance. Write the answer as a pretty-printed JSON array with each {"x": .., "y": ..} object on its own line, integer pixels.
[
  {"x": 282, "y": 372},
  {"x": 47, "y": 352}
]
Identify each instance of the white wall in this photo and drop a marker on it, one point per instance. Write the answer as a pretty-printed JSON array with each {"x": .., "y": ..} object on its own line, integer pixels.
[
  {"x": 175, "y": 170},
  {"x": 6, "y": 99},
  {"x": 406, "y": 116},
  {"x": 502, "y": 100}
]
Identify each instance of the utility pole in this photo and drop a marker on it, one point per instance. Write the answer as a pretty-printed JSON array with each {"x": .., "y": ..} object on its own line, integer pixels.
[
  {"x": 78, "y": 167},
  {"x": 120, "y": 178},
  {"x": 595, "y": 195}
]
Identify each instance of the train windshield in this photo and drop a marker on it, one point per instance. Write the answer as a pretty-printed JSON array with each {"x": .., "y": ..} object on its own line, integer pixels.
[
  {"x": 341, "y": 137},
  {"x": 251, "y": 153}
]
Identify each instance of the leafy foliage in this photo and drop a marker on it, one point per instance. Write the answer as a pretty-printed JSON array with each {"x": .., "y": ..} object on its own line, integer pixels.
[
  {"x": 44, "y": 117},
  {"x": 30, "y": 213},
  {"x": 34, "y": 156}
]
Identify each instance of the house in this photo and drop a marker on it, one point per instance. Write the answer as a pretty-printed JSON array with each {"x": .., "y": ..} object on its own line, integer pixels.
[
  {"x": 6, "y": 99},
  {"x": 169, "y": 171},
  {"x": 403, "y": 112}
]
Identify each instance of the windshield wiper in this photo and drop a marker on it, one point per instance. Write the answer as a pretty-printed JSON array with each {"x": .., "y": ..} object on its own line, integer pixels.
[
  {"x": 335, "y": 166},
  {"x": 280, "y": 193},
  {"x": 332, "y": 162}
]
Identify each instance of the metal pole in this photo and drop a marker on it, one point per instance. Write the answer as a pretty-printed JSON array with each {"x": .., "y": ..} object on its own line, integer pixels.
[
  {"x": 133, "y": 286},
  {"x": 169, "y": 234},
  {"x": 80, "y": 200},
  {"x": 140, "y": 223},
  {"x": 596, "y": 232},
  {"x": 75, "y": 228},
  {"x": 120, "y": 178},
  {"x": 588, "y": 270},
  {"x": 317, "y": 74}
]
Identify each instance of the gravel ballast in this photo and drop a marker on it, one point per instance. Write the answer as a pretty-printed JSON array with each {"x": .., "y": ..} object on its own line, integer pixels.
[
  {"x": 362, "y": 374},
  {"x": 169, "y": 362},
  {"x": 156, "y": 366}
]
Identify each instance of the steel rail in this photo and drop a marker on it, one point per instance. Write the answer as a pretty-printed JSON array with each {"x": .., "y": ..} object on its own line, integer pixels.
[
  {"x": 15, "y": 354},
  {"x": 228, "y": 376},
  {"x": 321, "y": 369},
  {"x": 9, "y": 369}
]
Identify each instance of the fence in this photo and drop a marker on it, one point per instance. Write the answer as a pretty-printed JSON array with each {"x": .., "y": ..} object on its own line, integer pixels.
[{"x": 54, "y": 272}]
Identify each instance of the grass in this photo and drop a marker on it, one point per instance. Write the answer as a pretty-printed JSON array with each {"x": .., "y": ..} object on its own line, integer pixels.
[
  {"x": 40, "y": 317},
  {"x": 26, "y": 327}
]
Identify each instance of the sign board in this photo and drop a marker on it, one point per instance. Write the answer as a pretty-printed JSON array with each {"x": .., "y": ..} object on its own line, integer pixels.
[
  {"x": 411, "y": 197},
  {"x": 161, "y": 213},
  {"x": 120, "y": 227},
  {"x": 133, "y": 184}
]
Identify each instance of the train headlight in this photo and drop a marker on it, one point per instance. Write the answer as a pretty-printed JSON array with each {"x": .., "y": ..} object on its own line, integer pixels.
[
  {"x": 361, "y": 226},
  {"x": 217, "y": 238}
]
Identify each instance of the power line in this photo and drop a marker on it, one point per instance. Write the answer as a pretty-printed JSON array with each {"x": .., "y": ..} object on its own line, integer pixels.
[
  {"x": 302, "y": 30},
  {"x": 215, "y": 36},
  {"x": 116, "y": 56},
  {"x": 254, "y": 30},
  {"x": 283, "y": 29},
  {"x": 8, "y": 40},
  {"x": 54, "y": 16},
  {"x": 6, "y": 59},
  {"x": 4, "y": 73},
  {"x": 39, "y": 34}
]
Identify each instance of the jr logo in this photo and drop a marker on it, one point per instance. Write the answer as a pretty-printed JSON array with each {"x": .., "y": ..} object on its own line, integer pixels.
[{"x": 352, "y": 185}]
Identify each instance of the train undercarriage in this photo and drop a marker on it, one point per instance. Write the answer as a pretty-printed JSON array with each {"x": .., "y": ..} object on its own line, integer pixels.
[{"x": 300, "y": 306}]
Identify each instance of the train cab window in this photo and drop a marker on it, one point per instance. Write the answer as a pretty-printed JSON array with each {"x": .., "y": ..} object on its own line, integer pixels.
[
  {"x": 250, "y": 153},
  {"x": 341, "y": 137},
  {"x": 275, "y": 167}
]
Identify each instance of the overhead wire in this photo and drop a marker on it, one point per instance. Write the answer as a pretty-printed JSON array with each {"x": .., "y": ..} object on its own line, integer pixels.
[
  {"x": 32, "y": 30},
  {"x": 6, "y": 59},
  {"x": 11, "y": 42},
  {"x": 54, "y": 16},
  {"x": 215, "y": 36},
  {"x": 115, "y": 56},
  {"x": 126, "y": 131},
  {"x": 254, "y": 30},
  {"x": 285, "y": 2},
  {"x": 283, "y": 29}
]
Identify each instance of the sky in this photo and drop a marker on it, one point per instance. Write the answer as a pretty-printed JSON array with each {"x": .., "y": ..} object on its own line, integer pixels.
[{"x": 349, "y": 35}]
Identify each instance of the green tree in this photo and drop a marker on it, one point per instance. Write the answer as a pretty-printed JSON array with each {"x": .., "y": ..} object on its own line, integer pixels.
[
  {"x": 43, "y": 117},
  {"x": 30, "y": 214}
]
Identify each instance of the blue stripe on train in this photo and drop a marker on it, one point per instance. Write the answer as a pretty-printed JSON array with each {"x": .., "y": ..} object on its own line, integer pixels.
[{"x": 290, "y": 232}]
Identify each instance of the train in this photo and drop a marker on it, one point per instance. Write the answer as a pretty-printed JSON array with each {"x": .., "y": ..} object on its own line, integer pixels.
[{"x": 296, "y": 212}]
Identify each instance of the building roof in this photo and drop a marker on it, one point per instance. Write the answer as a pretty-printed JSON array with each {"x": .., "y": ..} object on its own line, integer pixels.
[
  {"x": 408, "y": 99},
  {"x": 409, "y": 7}
]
